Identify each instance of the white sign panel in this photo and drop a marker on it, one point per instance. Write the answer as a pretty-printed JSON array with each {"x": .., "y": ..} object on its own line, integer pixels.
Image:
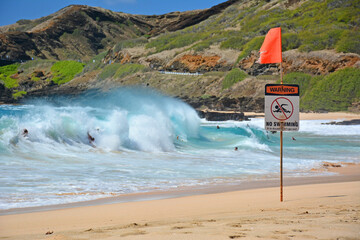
[{"x": 281, "y": 107}]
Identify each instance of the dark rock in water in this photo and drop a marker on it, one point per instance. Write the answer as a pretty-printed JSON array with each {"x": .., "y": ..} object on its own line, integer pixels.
[
  {"x": 348, "y": 122},
  {"x": 241, "y": 104},
  {"x": 221, "y": 116}
]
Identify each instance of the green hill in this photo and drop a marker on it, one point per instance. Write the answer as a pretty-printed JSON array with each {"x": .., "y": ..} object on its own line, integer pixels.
[{"x": 311, "y": 26}]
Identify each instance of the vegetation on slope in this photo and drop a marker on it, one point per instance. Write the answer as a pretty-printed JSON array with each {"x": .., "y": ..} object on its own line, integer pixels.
[
  {"x": 117, "y": 70},
  {"x": 333, "y": 92},
  {"x": 109, "y": 71},
  {"x": 5, "y": 75},
  {"x": 312, "y": 26},
  {"x": 18, "y": 94},
  {"x": 234, "y": 76},
  {"x": 302, "y": 79},
  {"x": 65, "y": 71},
  {"x": 95, "y": 63},
  {"x": 29, "y": 67},
  {"x": 128, "y": 69},
  {"x": 130, "y": 43}
]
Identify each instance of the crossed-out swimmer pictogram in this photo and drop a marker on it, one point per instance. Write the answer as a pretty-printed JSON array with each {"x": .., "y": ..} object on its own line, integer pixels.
[{"x": 282, "y": 108}]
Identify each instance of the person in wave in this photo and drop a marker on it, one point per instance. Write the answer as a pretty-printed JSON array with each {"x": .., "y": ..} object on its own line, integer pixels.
[
  {"x": 15, "y": 140},
  {"x": 25, "y": 132},
  {"x": 91, "y": 139}
]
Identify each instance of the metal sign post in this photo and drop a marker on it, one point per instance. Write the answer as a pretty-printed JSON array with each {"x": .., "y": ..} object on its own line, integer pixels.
[
  {"x": 281, "y": 161},
  {"x": 281, "y": 114}
]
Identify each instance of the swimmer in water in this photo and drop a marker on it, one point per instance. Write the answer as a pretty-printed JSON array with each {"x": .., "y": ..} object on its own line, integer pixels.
[
  {"x": 14, "y": 140},
  {"x": 25, "y": 132},
  {"x": 236, "y": 148},
  {"x": 91, "y": 139}
]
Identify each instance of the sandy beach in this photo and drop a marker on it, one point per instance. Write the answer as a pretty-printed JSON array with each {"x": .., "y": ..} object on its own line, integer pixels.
[
  {"x": 314, "y": 207},
  {"x": 329, "y": 116}
]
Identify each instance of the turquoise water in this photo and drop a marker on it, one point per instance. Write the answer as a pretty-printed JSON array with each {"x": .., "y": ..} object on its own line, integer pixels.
[{"x": 144, "y": 141}]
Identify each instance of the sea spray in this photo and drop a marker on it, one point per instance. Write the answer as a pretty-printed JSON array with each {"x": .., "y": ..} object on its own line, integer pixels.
[{"x": 131, "y": 118}]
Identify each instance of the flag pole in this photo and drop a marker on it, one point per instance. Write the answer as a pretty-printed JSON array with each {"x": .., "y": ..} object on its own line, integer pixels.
[
  {"x": 281, "y": 144},
  {"x": 270, "y": 52}
]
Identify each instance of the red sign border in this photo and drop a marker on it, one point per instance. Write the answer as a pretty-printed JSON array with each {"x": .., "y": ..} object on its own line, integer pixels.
[{"x": 292, "y": 106}]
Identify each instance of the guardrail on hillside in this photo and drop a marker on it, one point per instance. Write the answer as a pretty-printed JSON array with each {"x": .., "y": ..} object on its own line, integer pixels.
[{"x": 181, "y": 73}]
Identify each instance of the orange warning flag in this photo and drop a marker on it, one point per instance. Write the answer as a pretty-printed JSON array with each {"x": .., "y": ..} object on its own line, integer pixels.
[{"x": 270, "y": 51}]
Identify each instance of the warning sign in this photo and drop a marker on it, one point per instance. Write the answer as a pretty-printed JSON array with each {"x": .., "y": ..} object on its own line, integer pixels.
[
  {"x": 282, "y": 89},
  {"x": 281, "y": 107}
]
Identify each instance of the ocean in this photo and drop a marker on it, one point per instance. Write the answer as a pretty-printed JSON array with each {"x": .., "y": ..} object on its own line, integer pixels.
[{"x": 136, "y": 140}]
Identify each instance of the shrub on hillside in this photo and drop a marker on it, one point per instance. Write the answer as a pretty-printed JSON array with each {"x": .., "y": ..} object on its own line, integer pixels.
[
  {"x": 301, "y": 79},
  {"x": 65, "y": 71},
  {"x": 130, "y": 43},
  {"x": 96, "y": 62},
  {"x": 176, "y": 40},
  {"x": 334, "y": 92},
  {"x": 38, "y": 63},
  {"x": 319, "y": 40},
  {"x": 117, "y": 70},
  {"x": 128, "y": 69},
  {"x": 290, "y": 41},
  {"x": 254, "y": 44},
  {"x": 236, "y": 42},
  {"x": 349, "y": 42},
  {"x": 109, "y": 71},
  {"x": 234, "y": 76},
  {"x": 5, "y": 75},
  {"x": 18, "y": 94}
]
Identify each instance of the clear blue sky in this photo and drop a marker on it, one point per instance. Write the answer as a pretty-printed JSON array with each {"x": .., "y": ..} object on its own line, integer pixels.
[{"x": 14, "y": 10}]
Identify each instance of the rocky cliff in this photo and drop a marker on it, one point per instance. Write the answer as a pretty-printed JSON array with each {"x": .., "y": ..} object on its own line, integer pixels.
[
  {"x": 315, "y": 63},
  {"x": 80, "y": 32}
]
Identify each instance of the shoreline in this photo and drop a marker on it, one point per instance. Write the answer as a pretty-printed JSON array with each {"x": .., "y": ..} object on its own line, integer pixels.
[
  {"x": 336, "y": 172},
  {"x": 328, "y": 210}
]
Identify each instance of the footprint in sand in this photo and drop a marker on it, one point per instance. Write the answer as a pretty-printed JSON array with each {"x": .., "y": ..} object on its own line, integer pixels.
[
  {"x": 235, "y": 225},
  {"x": 241, "y": 235},
  {"x": 138, "y": 232}
]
